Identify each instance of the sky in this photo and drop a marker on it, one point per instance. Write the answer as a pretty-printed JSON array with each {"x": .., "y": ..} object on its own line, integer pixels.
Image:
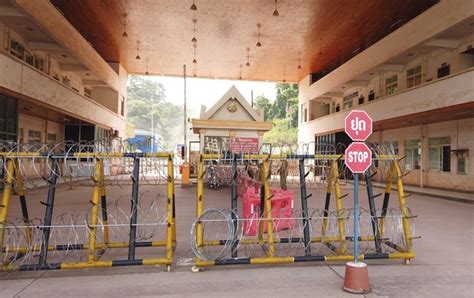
[{"x": 209, "y": 91}]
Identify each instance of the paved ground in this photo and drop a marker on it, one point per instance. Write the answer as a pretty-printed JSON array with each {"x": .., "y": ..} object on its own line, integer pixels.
[{"x": 444, "y": 265}]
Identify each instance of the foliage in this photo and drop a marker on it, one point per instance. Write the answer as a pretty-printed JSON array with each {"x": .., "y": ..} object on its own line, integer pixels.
[
  {"x": 282, "y": 132},
  {"x": 283, "y": 112},
  {"x": 146, "y": 98}
]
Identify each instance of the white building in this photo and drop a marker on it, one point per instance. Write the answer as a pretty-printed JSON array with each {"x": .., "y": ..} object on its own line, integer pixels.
[{"x": 417, "y": 83}]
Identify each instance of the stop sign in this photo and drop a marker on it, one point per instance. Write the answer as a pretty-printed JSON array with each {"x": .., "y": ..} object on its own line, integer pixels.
[
  {"x": 358, "y": 125},
  {"x": 358, "y": 157}
]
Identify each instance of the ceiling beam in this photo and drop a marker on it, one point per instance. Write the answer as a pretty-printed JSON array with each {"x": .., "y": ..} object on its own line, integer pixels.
[
  {"x": 10, "y": 12},
  {"x": 356, "y": 83},
  {"x": 45, "y": 46},
  {"x": 390, "y": 67},
  {"x": 442, "y": 43},
  {"x": 93, "y": 83},
  {"x": 325, "y": 100},
  {"x": 45, "y": 14},
  {"x": 73, "y": 67},
  {"x": 333, "y": 94},
  {"x": 431, "y": 22}
]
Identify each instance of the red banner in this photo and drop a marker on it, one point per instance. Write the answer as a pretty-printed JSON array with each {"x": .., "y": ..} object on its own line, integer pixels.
[{"x": 244, "y": 145}]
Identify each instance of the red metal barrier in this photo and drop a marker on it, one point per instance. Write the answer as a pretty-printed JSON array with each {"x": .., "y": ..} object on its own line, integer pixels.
[{"x": 282, "y": 210}]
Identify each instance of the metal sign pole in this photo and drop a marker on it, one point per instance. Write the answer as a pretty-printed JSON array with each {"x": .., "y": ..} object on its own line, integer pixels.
[{"x": 356, "y": 218}]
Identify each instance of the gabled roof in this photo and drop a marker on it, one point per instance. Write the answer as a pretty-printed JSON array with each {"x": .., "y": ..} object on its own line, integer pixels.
[{"x": 233, "y": 93}]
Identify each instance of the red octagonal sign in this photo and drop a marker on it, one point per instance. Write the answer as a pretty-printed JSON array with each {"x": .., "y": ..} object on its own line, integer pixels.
[
  {"x": 358, "y": 125},
  {"x": 358, "y": 157}
]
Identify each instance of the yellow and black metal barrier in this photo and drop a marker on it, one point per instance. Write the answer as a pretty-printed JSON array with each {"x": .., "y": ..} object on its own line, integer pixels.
[
  {"x": 222, "y": 236},
  {"x": 97, "y": 231}
]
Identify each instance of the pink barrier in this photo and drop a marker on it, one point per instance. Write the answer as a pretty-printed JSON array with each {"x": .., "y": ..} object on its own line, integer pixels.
[
  {"x": 282, "y": 210},
  {"x": 244, "y": 182}
]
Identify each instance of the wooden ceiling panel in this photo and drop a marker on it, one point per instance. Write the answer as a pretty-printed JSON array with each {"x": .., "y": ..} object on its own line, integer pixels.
[{"x": 325, "y": 33}]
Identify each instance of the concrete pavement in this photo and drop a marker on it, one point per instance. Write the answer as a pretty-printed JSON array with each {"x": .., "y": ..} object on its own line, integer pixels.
[{"x": 444, "y": 263}]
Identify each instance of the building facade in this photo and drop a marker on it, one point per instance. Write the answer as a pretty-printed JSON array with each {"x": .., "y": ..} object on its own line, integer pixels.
[
  {"x": 53, "y": 85},
  {"x": 417, "y": 83}
]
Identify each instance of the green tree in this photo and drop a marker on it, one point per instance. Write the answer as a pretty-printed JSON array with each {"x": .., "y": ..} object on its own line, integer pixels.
[
  {"x": 286, "y": 103},
  {"x": 145, "y": 99},
  {"x": 281, "y": 133},
  {"x": 283, "y": 112},
  {"x": 261, "y": 102}
]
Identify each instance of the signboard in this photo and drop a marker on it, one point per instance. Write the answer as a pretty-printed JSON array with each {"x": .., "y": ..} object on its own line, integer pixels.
[
  {"x": 358, "y": 157},
  {"x": 244, "y": 145},
  {"x": 358, "y": 125}
]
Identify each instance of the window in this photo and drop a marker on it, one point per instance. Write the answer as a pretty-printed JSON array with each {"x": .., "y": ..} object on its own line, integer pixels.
[
  {"x": 413, "y": 154},
  {"x": 439, "y": 152},
  {"x": 391, "y": 85},
  {"x": 371, "y": 95},
  {"x": 462, "y": 165},
  {"x": 391, "y": 147},
  {"x": 414, "y": 76},
  {"x": 17, "y": 49},
  {"x": 51, "y": 138},
  {"x": 305, "y": 114},
  {"x": 39, "y": 63},
  {"x": 8, "y": 118},
  {"x": 88, "y": 93},
  {"x": 338, "y": 108},
  {"x": 443, "y": 70},
  {"x": 30, "y": 59},
  {"x": 361, "y": 99},
  {"x": 349, "y": 100},
  {"x": 216, "y": 144},
  {"x": 34, "y": 137}
]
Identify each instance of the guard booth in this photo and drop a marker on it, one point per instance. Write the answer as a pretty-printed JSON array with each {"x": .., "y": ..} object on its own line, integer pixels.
[{"x": 230, "y": 126}]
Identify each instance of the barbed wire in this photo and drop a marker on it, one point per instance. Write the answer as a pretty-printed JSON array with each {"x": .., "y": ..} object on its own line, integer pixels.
[{"x": 235, "y": 233}]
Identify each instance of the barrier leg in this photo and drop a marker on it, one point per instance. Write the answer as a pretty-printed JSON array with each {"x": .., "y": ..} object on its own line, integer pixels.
[
  {"x": 94, "y": 212},
  {"x": 283, "y": 174},
  {"x": 199, "y": 200},
  {"x": 373, "y": 213},
  {"x": 170, "y": 204},
  {"x": 134, "y": 209},
  {"x": 339, "y": 207},
  {"x": 304, "y": 206},
  {"x": 268, "y": 207},
  {"x": 233, "y": 205},
  {"x": 327, "y": 202},
  {"x": 403, "y": 206},
  {"x": 173, "y": 224},
  {"x": 386, "y": 198},
  {"x": 24, "y": 207},
  {"x": 103, "y": 204},
  {"x": 48, "y": 215},
  {"x": 7, "y": 193}
]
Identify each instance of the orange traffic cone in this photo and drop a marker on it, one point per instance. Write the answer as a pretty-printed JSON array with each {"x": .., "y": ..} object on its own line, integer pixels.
[{"x": 356, "y": 278}]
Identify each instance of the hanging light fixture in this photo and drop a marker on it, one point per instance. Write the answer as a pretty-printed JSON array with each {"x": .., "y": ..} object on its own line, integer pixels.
[
  {"x": 284, "y": 77},
  {"x": 193, "y": 6},
  {"x": 248, "y": 57},
  {"x": 320, "y": 47},
  {"x": 124, "y": 33},
  {"x": 240, "y": 72},
  {"x": 194, "y": 31},
  {"x": 146, "y": 72},
  {"x": 275, "y": 12},
  {"x": 194, "y": 55},
  {"x": 138, "y": 50},
  {"x": 259, "y": 44},
  {"x": 299, "y": 61}
]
